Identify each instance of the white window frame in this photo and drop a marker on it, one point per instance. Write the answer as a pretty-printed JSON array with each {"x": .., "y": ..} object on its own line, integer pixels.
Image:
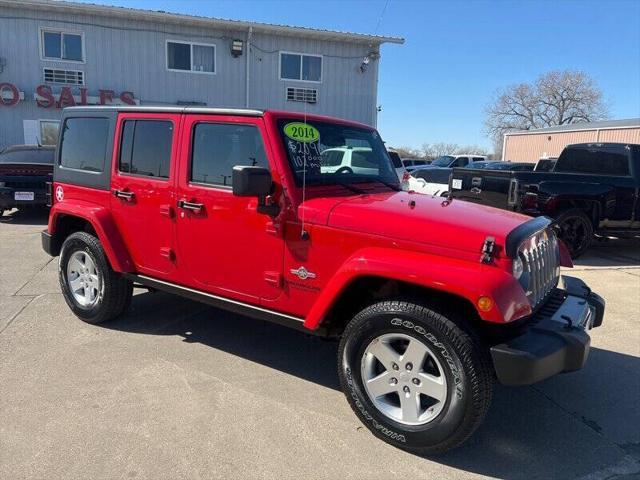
[
  {"x": 84, "y": 76},
  {"x": 321, "y": 57},
  {"x": 47, "y": 120},
  {"x": 61, "y": 31},
  {"x": 191, "y": 44}
]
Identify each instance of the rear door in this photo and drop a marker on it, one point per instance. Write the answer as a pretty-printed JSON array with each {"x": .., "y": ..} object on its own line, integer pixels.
[
  {"x": 225, "y": 246},
  {"x": 142, "y": 188}
]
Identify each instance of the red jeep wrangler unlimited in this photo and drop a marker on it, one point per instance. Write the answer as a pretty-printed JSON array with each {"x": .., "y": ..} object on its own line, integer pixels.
[{"x": 242, "y": 209}]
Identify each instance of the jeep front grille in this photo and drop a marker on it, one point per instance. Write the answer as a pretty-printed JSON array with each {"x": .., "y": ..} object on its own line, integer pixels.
[{"x": 542, "y": 265}]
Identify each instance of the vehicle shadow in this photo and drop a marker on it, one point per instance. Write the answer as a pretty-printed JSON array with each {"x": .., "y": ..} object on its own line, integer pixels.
[
  {"x": 29, "y": 216},
  {"x": 290, "y": 351},
  {"x": 566, "y": 427},
  {"x": 611, "y": 252},
  {"x": 561, "y": 428}
]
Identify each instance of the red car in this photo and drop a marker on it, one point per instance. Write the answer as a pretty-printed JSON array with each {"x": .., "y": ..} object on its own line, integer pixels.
[{"x": 431, "y": 299}]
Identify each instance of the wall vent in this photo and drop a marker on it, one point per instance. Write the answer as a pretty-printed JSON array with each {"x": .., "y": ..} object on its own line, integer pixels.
[
  {"x": 69, "y": 77},
  {"x": 309, "y": 95}
]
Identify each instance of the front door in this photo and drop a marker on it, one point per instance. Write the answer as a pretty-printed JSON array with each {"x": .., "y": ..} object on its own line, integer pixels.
[
  {"x": 226, "y": 246},
  {"x": 142, "y": 188}
]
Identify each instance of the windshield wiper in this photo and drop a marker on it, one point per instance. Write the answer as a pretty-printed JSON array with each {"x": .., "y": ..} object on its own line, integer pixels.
[
  {"x": 392, "y": 186},
  {"x": 348, "y": 186}
]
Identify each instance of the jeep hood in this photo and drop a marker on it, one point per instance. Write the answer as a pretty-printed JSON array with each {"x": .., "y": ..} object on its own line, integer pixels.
[{"x": 416, "y": 217}]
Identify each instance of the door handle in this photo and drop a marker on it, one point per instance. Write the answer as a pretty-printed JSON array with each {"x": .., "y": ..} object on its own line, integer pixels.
[
  {"x": 125, "y": 195},
  {"x": 194, "y": 207}
]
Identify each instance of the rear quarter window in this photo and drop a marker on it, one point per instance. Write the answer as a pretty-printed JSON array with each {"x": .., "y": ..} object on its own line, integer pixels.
[{"x": 84, "y": 144}]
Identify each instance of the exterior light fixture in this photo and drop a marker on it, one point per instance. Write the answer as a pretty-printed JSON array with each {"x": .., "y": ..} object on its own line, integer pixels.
[
  {"x": 364, "y": 64},
  {"x": 236, "y": 47}
]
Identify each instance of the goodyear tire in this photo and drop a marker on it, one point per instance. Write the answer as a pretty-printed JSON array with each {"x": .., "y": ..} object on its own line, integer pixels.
[
  {"x": 413, "y": 377},
  {"x": 93, "y": 291}
]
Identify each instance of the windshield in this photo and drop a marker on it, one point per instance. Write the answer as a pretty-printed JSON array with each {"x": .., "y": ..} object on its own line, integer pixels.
[
  {"x": 443, "y": 161},
  {"x": 335, "y": 153}
]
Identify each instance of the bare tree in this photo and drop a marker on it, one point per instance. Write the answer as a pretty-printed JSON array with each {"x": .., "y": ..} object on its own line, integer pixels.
[
  {"x": 434, "y": 150},
  {"x": 555, "y": 98},
  {"x": 408, "y": 152}
]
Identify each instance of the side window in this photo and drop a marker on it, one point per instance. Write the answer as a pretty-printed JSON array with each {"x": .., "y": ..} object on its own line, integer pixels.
[
  {"x": 478, "y": 159},
  {"x": 84, "y": 143},
  {"x": 145, "y": 147},
  {"x": 461, "y": 162},
  {"x": 217, "y": 148},
  {"x": 332, "y": 158},
  {"x": 362, "y": 159}
]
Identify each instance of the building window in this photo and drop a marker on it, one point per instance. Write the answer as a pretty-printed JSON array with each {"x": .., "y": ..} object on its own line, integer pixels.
[
  {"x": 145, "y": 148},
  {"x": 70, "y": 77},
  {"x": 217, "y": 148},
  {"x": 59, "y": 45},
  {"x": 191, "y": 57},
  {"x": 298, "y": 66},
  {"x": 49, "y": 132}
]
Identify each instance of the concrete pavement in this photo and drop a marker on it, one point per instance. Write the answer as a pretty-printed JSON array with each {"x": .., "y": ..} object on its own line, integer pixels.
[{"x": 181, "y": 390}]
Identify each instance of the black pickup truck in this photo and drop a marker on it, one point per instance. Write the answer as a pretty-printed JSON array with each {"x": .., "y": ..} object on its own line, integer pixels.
[
  {"x": 24, "y": 173},
  {"x": 592, "y": 189}
]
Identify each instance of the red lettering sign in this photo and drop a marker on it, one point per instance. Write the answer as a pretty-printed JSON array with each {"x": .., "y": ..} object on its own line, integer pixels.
[
  {"x": 105, "y": 95},
  {"x": 15, "y": 94},
  {"x": 46, "y": 99},
  {"x": 127, "y": 97},
  {"x": 66, "y": 98}
]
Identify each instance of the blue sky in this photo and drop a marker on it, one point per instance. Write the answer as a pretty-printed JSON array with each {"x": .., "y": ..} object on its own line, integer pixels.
[{"x": 457, "y": 53}]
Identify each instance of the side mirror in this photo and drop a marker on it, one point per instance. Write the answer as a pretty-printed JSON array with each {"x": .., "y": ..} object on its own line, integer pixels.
[
  {"x": 254, "y": 182},
  {"x": 251, "y": 181}
]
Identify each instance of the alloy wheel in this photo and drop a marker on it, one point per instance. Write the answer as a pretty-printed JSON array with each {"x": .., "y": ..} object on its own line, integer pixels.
[
  {"x": 83, "y": 279},
  {"x": 403, "y": 379}
]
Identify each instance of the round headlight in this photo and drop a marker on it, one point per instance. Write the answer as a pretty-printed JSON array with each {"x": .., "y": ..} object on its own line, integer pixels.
[{"x": 518, "y": 268}]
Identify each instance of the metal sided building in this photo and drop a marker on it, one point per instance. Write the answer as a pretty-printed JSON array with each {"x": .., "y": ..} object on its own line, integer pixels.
[
  {"x": 531, "y": 145},
  {"x": 55, "y": 54}
]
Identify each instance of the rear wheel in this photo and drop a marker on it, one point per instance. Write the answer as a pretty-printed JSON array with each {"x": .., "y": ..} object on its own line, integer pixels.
[
  {"x": 413, "y": 377},
  {"x": 91, "y": 288},
  {"x": 575, "y": 230}
]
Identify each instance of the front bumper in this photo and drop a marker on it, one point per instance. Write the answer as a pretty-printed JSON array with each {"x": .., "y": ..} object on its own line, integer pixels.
[{"x": 556, "y": 342}]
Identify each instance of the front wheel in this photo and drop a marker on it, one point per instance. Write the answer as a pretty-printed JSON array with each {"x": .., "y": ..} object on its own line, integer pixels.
[
  {"x": 91, "y": 288},
  {"x": 413, "y": 377}
]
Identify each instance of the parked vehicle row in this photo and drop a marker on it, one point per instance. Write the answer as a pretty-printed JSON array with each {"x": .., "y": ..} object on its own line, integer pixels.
[
  {"x": 435, "y": 181},
  {"x": 431, "y": 299},
  {"x": 591, "y": 188}
]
